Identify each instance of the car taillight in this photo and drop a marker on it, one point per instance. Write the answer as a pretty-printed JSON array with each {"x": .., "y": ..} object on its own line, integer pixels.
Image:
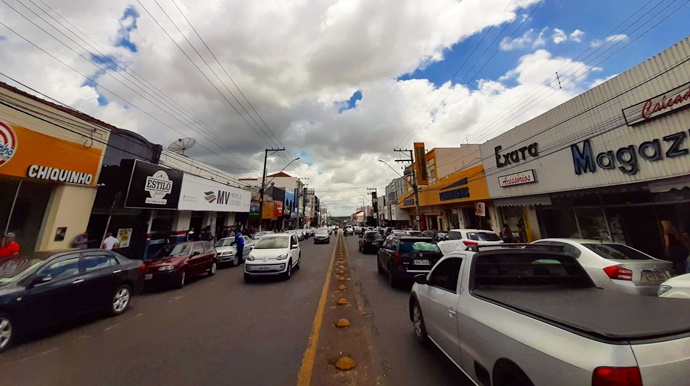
[
  {"x": 398, "y": 257},
  {"x": 143, "y": 266},
  {"x": 470, "y": 243},
  {"x": 618, "y": 272},
  {"x": 617, "y": 376}
]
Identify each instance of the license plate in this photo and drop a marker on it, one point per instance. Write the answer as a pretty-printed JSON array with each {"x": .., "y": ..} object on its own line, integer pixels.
[
  {"x": 264, "y": 268},
  {"x": 656, "y": 276},
  {"x": 422, "y": 262},
  {"x": 148, "y": 276}
]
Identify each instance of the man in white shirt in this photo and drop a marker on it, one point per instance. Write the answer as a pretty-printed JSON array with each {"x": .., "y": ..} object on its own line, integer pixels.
[{"x": 110, "y": 242}]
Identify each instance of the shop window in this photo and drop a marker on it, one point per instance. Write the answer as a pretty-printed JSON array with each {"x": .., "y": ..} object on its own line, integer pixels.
[
  {"x": 558, "y": 222},
  {"x": 29, "y": 209},
  {"x": 592, "y": 224}
]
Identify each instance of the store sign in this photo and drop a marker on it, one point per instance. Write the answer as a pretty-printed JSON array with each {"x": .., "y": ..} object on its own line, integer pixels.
[
  {"x": 520, "y": 178},
  {"x": 45, "y": 157},
  {"x": 515, "y": 156},
  {"x": 279, "y": 208},
  {"x": 670, "y": 101},
  {"x": 8, "y": 143},
  {"x": 626, "y": 158},
  {"x": 198, "y": 193},
  {"x": 420, "y": 163},
  {"x": 480, "y": 209},
  {"x": 59, "y": 175},
  {"x": 153, "y": 187}
]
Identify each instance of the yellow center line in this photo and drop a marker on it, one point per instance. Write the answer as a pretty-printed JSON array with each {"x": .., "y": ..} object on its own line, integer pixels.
[{"x": 307, "y": 369}]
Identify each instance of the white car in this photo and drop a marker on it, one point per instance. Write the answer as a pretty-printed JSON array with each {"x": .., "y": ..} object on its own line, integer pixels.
[
  {"x": 676, "y": 287},
  {"x": 615, "y": 266},
  {"x": 274, "y": 254},
  {"x": 459, "y": 239},
  {"x": 226, "y": 250},
  {"x": 258, "y": 235}
]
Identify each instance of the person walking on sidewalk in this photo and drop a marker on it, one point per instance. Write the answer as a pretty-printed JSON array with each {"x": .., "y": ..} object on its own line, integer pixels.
[{"x": 239, "y": 243}]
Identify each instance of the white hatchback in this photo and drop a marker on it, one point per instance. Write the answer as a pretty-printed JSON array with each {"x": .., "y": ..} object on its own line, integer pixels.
[
  {"x": 273, "y": 254},
  {"x": 459, "y": 239}
]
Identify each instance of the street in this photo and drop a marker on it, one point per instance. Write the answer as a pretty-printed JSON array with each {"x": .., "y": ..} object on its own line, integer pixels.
[{"x": 220, "y": 331}]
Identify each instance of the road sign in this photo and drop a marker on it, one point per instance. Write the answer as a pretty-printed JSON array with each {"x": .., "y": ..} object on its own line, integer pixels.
[{"x": 416, "y": 218}]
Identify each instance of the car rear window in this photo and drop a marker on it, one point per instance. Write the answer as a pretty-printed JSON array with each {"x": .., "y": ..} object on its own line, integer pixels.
[
  {"x": 613, "y": 251},
  {"x": 372, "y": 235},
  {"x": 529, "y": 269},
  {"x": 418, "y": 246},
  {"x": 483, "y": 236}
]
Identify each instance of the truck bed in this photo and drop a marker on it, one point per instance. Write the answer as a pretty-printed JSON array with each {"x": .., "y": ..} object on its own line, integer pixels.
[{"x": 600, "y": 314}]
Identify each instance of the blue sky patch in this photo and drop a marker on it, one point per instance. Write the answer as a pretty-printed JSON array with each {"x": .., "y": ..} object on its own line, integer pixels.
[
  {"x": 128, "y": 23},
  {"x": 350, "y": 104}
]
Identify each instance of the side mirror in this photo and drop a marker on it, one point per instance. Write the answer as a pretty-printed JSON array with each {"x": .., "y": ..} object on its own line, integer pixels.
[
  {"x": 420, "y": 279},
  {"x": 294, "y": 246},
  {"x": 40, "y": 279}
]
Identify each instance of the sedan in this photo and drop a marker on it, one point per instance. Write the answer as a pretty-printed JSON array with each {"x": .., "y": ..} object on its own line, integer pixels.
[
  {"x": 615, "y": 266},
  {"x": 370, "y": 242},
  {"x": 322, "y": 236},
  {"x": 184, "y": 260},
  {"x": 226, "y": 250},
  {"x": 41, "y": 289},
  {"x": 677, "y": 287},
  {"x": 276, "y": 254}
]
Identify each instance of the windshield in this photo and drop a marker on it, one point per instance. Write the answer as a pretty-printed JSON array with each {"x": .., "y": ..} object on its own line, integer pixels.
[
  {"x": 15, "y": 269},
  {"x": 224, "y": 242},
  {"x": 180, "y": 250},
  {"x": 483, "y": 236},
  {"x": 617, "y": 252},
  {"x": 272, "y": 243},
  {"x": 418, "y": 246}
]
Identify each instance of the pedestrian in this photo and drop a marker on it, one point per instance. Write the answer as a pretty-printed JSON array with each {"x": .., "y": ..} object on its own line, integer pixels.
[
  {"x": 506, "y": 234},
  {"x": 676, "y": 251},
  {"x": 9, "y": 247},
  {"x": 81, "y": 241},
  {"x": 190, "y": 234},
  {"x": 110, "y": 242},
  {"x": 239, "y": 243}
]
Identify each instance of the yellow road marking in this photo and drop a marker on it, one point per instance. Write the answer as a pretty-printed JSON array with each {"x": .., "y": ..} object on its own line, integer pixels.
[{"x": 307, "y": 369}]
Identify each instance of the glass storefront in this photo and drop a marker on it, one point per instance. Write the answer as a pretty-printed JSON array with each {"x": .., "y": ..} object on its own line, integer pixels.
[{"x": 26, "y": 220}]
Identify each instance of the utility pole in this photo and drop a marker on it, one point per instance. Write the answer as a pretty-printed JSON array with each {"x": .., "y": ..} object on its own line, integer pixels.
[
  {"x": 375, "y": 203},
  {"x": 413, "y": 184},
  {"x": 263, "y": 185}
]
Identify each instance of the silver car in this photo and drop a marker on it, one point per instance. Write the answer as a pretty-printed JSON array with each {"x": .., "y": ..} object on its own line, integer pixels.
[
  {"x": 616, "y": 266},
  {"x": 226, "y": 250}
]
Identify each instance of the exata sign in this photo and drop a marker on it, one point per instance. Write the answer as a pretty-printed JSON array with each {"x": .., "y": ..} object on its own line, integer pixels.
[
  {"x": 526, "y": 177},
  {"x": 662, "y": 104}
]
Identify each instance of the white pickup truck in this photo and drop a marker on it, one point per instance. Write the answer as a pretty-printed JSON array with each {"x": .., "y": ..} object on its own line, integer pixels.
[{"x": 524, "y": 315}]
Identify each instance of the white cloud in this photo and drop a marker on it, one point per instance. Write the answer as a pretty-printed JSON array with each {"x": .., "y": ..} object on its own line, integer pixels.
[
  {"x": 609, "y": 39},
  {"x": 559, "y": 36},
  {"x": 528, "y": 40},
  {"x": 576, "y": 36},
  {"x": 295, "y": 61}
]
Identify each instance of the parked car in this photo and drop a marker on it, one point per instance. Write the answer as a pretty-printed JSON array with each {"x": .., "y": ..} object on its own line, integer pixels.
[
  {"x": 258, "y": 235},
  {"x": 182, "y": 262},
  {"x": 41, "y": 289},
  {"x": 276, "y": 254},
  {"x": 322, "y": 236},
  {"x": 400, "y": 258},
  {"x": 676, "y": 287},
  {"x": 463, "y": 238},
  {"x": 370, "y": 242},
  {"x": 615, "y": 266},
  {"x": 516, "y": 316},
  {"x": 226, "y": 250}
]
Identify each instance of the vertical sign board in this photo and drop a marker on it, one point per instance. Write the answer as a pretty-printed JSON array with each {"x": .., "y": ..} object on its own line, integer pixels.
[
  {"x": 374, "y": 202},
  {"x": 420, "y": 163}
]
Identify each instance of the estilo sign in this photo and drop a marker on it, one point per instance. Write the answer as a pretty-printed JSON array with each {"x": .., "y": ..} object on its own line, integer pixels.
[
  {"x": 670, "y": 101},
  {"x": 520, "y": 178},
  {"x": 153, "y": 187}
]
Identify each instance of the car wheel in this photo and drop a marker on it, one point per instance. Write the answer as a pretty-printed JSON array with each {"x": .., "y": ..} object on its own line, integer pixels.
[
  {"x": 6, "y": 332},
  {"x": 121, "y": 299},
  {"x": 212, "y": 270},
  {"x": 248, "y": 278},
  {"x": 288, "y": 272},
  {"x": 379, "y": 266},
  {"x": 418, "y": 323},
  {"x": 392, "y": 280},
  {"x": 181, "y": 280}
]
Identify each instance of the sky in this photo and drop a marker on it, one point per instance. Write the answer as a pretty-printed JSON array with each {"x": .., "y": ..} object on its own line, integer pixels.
[{"x": 338, "y": 83}]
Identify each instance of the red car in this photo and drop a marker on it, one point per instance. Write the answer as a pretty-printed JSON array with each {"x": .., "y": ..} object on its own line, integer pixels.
[{"x": 183, "y": 261}]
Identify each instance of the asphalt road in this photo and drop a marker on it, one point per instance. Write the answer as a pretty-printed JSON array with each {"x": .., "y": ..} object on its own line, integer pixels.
[
  {"x": 215, "y": 331},
  {"x": 403, "y": 359},
  {"x": 220, "y": 331}
]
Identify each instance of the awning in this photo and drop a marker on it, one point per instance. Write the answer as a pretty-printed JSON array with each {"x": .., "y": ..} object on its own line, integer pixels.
[
  {"x": 523, "y": 201},
  {"x": 669, "y": 184}
]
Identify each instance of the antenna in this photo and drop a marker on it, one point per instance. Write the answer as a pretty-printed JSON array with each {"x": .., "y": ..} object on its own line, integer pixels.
[{"x": 181, "y": 145}]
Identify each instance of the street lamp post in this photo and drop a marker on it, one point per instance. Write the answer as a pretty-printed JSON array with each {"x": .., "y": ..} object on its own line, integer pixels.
[{"x": 413, "y": 185}]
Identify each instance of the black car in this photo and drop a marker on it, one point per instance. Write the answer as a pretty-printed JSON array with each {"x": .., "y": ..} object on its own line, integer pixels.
[
  {"x": 401, "y": 258},
  {"x": 370, "y": 241},
  {"x": 40, "y": 289}
]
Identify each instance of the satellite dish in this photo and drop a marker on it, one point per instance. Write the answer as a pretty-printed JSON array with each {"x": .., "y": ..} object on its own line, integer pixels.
[{"x": 181, "y": 145}]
